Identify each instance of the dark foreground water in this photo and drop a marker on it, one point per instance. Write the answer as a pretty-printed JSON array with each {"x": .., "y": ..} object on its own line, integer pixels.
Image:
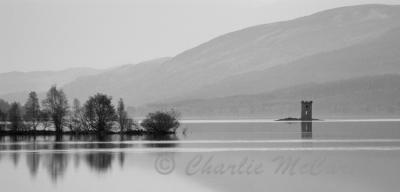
[{"x": 211, "y": 156}]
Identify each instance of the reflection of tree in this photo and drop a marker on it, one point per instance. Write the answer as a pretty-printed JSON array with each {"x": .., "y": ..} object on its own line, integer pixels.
[
  {"x": 121, "y": 155},
  {"x": 77, "y": 159},
  {"x": 164, "y": 137},
  {"x": 121, "y": 158},
  {"x": 2, "y": 140},
  {"x": 33, "y": 161},
  {"x": 15, "y": 147},
  {"x": 57, "y": 165},
  {"x": 58, "y": 144},
  {"x": 102, "y": 139},
  {"x": 58, "y": 161},
  {"x": 100, "y": 162},
  {"x": 15, "y": 158}
]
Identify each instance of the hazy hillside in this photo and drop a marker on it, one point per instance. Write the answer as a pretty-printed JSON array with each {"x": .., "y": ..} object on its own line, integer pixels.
[
  {"x": 14, "y": 82},
  {"x": 126, "y": 82},
  {"x": 366, "y": 96},
  {"x": 278, "y": 50},
  {"x": 378, "y": 56}
]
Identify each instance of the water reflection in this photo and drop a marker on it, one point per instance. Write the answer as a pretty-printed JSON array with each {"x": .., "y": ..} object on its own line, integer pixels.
[
  {"x": 56, "y": 165},
  {"x": 62, "y": 151},
  {"x": 306, "y": 130},
  {"x": 73, "y": 163},
  {"x": 33, "y": 162},
  {"x": 15, "y": 156},
  {"x": 167, "y": 137},
  {"x": 101, "y": 161}
]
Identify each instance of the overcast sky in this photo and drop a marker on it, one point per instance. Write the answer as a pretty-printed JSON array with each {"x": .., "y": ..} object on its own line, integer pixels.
[{"x": 59, "y": 34}]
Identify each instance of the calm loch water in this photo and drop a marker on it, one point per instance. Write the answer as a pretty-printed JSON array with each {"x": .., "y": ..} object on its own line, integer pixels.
[{"x": 211, "y": 156}]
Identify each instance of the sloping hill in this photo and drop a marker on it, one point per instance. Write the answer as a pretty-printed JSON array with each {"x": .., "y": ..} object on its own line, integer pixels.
[
  {"x": 378, "y": 56},
  {"x": 360, "y": 97},
  {"x": 222, "y": 63}
]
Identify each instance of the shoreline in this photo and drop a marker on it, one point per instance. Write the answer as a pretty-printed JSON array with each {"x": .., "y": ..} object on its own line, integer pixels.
[
  {"x": 205, "y": 121},
  {"x": 53, "y": 133}
]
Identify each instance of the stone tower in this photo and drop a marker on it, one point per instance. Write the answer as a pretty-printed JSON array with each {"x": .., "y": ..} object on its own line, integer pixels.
[{"x": 306, "y": 110}]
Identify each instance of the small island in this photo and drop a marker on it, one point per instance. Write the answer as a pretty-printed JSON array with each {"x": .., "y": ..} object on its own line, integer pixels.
[{"x": 296, "y": 119}]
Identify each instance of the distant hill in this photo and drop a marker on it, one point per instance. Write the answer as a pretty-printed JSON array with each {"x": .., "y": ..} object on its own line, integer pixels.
[
  {"x": 375, "y": 96},
  {"x": 14, "y": 82},
  {"x": 126, "y": 82},
  {"x": 336, "y": 44}
]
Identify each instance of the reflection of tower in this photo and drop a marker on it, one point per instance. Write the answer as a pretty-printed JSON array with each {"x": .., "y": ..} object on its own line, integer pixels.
[
  {"x": 306, "y": 130},
  {"x": 306, "y": 110}
]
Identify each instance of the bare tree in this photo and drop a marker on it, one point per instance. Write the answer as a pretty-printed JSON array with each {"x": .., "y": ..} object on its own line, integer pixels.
[
  {"x": 32, "y": 110},
  {"x": 56, "y": 104},
  {"x": 122, "y": 116},
  {"x": 4, "y": 107},
  {"x": 44, "y": 119},
  {"x": 77, "y": 119},
  {"x": 14, "y": 116},
  {"x": 99, "y": 113}
]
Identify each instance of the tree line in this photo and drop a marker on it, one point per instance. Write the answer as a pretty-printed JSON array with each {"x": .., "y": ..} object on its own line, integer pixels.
[{"x": 97, "y": 114}]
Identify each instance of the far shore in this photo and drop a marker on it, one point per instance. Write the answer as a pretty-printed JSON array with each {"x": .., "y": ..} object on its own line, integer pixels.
[
  {"x": 186, "y": 121},
  {"x": 205, "y": 121}
]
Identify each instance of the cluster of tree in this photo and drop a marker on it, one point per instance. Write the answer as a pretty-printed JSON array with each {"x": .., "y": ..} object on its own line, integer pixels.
[
  {"x": 163, "y": 122},
  {"x": 98, "y": 114}
]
